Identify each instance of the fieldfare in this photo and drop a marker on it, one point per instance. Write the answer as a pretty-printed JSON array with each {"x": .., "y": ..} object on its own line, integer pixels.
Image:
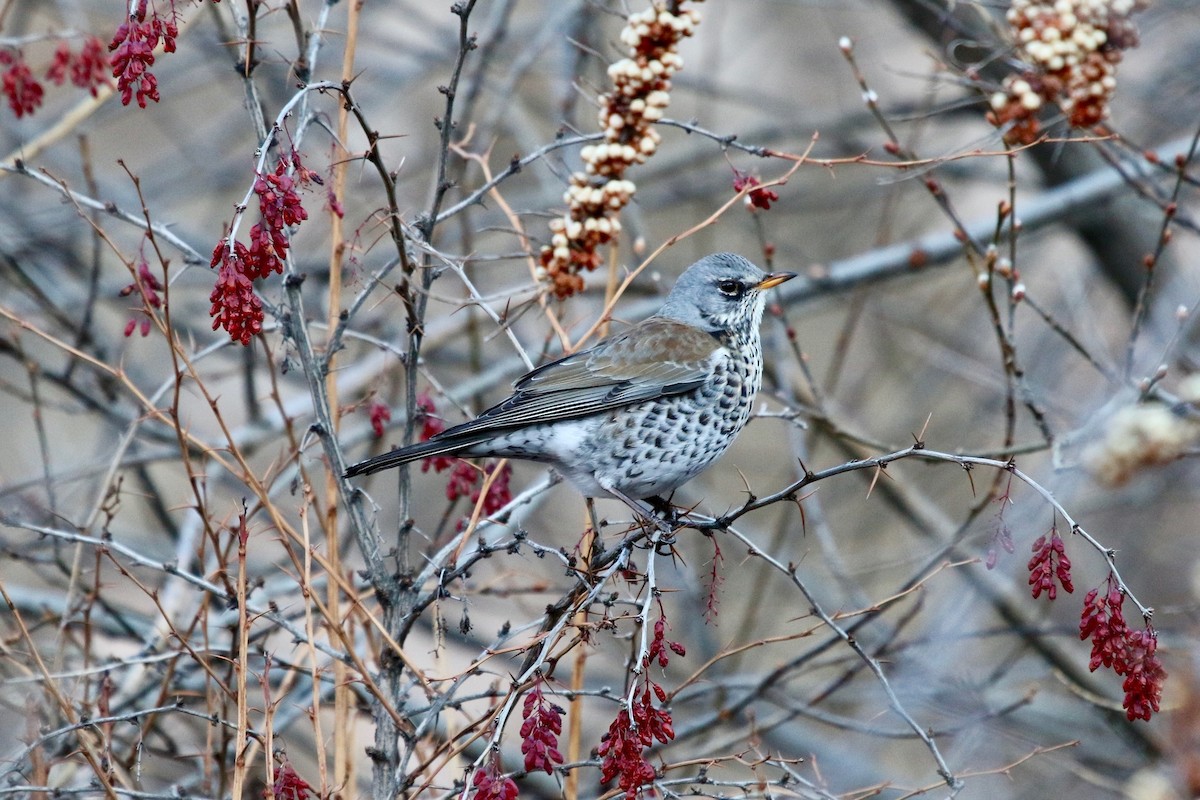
[{"x": 641, "y": 412}]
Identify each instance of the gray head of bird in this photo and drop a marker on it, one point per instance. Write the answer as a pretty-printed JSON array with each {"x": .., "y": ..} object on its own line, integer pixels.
[{"x": 721, "y": 292}]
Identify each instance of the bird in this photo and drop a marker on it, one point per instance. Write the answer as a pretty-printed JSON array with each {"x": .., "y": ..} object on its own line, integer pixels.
[{"x": 641, "y": 412}]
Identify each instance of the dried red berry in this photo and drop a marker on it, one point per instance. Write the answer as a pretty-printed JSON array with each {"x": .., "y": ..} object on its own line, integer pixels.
[
  {"x": 540, "y": 731},
  {"x": 1049, "y": 562},
  {"x": 23, "y": 91}
]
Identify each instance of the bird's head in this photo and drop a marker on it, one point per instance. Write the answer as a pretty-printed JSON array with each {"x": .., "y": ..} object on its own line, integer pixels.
[{"x": 721, "y": 292}]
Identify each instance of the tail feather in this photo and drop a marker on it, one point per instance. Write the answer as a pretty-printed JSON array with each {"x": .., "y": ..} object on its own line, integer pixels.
[{"x": 403, "y": 455}]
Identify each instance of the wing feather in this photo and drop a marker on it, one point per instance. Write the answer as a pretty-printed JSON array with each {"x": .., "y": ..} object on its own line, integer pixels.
[{"x": 654, "y": 358}]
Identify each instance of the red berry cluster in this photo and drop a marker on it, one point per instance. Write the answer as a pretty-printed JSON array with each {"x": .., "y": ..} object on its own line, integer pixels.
[
  {"x": 1114, "y": 644},
  {"x": 499, "y": 495},
  {"x": 290, "y": 786},
  {"x": 757, "y": 198},
  {"x": 621, "y": 748},
  {"x": 132, "y": 49},
  {"x": 1049, "y": 562},
  {"x": 235, "y": 307},
  {"x": 380, "y": 414},
  {"x": 1070, "y": 49},
  {"x": 87, "y": 69},
  {"x": 492, "y": 784},
  {"x": 431, "y": 425},
  {"x": 23, "y": 91},
  {"x": 280, "y": 206},
  {"x": 641, "y": 91},
  {"x": 1125, "y": 651},
  {"x": 465, "y": 479},
  {"x": 540, "y": 731},
  {"x": 234, "y": 304},
  {"x": 148, "y": 287}
]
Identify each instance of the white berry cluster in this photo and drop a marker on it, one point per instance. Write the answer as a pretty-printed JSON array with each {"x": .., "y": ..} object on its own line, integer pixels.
[
  {"x": 641, "y": 85},
  {"x": 1070, "y": 49},
  {"x": 1145, "y": 435}
]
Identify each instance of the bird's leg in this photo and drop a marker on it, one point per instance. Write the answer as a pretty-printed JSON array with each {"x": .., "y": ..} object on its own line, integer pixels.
[
  {"x": 591, "y": 509},
  {"x": 642, "y": 510},
  {"x": 665, "y": 508},
  {"x": 591, "y": 544}
]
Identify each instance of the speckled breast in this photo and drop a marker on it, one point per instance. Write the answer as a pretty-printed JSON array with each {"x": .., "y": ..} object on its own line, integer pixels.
[{"x": 654, "y": 447}]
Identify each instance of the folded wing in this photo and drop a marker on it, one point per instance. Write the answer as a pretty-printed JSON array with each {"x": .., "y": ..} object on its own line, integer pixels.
[
  {"x": 655, "y": 358},
  {"x": 623, "y": 370}
]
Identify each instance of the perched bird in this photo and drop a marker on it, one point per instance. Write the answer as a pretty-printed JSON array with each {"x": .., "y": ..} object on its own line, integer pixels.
[{"x": 641, "y": 412}]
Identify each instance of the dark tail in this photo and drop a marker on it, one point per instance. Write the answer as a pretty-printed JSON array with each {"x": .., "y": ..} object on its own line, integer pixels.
[{"x": 436, "y": 446}]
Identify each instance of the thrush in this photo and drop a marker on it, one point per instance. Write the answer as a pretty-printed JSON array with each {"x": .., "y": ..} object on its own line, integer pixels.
[{"x": 641, "y": 412}]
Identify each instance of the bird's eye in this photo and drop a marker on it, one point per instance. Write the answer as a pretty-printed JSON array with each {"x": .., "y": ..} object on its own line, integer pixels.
[{"x": 730, "y": 288}]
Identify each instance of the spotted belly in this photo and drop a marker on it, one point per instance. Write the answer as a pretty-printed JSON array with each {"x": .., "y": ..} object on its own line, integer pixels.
[
  {"x": 646, "y": 449},
  {"x": 655, "y": 447}
]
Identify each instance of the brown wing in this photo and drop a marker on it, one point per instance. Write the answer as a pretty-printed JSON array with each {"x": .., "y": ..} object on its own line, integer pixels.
[{"x": 654, "y": 358}]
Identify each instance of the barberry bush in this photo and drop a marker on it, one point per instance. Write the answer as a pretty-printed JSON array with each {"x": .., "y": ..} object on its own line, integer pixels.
[{"x": 247, "y": 244}]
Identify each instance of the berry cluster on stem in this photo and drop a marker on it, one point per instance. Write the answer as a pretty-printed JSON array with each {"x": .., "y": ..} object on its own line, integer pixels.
[
  {"x": 148, "y": 287},
  {"x": 640, "y": 723},
  {"x": 1069, "y": 50},
  {"x": 465, "y": 479},
  {"x": 641, "y": 85},
  {"x": 87, "y": 69},
  {"x": 1127, "y": 652},
  {"x": 133, "y": 48},
  {"x": 540, "y": 729},
  {"x": 235, "y": 307}
]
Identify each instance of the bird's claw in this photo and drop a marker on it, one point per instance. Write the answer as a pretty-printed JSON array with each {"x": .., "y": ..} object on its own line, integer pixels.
[{"x": 665, "y": 546}]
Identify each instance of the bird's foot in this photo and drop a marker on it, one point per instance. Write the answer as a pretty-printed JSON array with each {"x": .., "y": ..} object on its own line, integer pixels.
[
  {"x": 666, "y": 511},
  {"x": 666, "y": 528},
  {"x": 655, "y": 511},
  {"x": 665, "y": 546}
]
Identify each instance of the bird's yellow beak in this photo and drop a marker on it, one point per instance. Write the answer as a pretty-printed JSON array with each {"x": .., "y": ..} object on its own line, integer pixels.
[{"x": 773, "y": 280}]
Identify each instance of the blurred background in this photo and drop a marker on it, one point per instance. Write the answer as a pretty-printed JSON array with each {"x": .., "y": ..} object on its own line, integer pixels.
[{"x": 887, "y": 337}]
